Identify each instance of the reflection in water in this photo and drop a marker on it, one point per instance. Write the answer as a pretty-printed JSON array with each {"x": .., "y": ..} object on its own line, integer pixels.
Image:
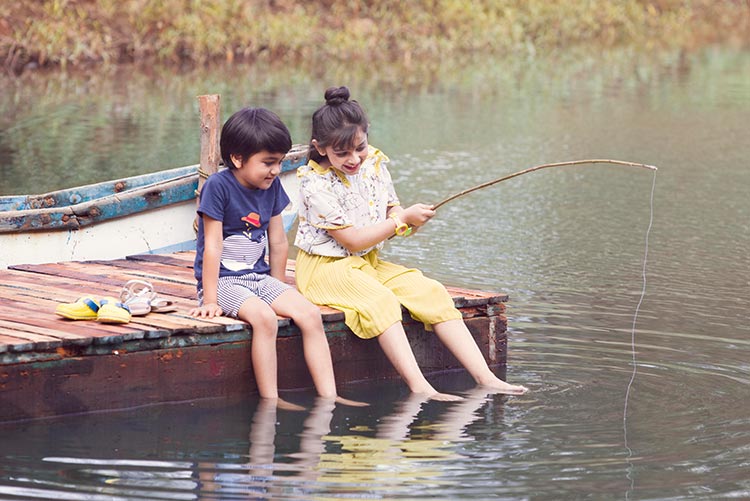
[
  {"x": 394, "y": 460},
  {"x": 398, "y": 460},
  {"x": 404, "y": 455}
]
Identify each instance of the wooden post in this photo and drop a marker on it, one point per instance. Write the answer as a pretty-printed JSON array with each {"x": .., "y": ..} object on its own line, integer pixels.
[{"x": 210, "y": 129}]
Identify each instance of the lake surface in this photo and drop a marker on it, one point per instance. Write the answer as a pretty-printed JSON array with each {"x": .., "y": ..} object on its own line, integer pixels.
[{"x": 639, "y": 390}]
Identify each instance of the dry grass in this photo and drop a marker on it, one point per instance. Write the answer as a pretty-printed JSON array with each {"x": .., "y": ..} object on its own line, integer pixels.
[{"x": 72, "y": 32}]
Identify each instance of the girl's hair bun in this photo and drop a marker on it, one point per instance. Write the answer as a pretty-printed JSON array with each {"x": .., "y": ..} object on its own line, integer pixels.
[{"x": 336, "y": 95}]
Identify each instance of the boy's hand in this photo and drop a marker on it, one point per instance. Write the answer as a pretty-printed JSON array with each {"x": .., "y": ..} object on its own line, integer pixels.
[{"x": 207, "y": 310}]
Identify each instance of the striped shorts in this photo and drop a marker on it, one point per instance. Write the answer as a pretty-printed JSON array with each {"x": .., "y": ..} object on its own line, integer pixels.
[{"x": 233, "y": 291}]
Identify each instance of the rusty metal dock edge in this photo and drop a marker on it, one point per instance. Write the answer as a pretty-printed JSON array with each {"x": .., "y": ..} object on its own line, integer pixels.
[{"x": 173, "y": 366}]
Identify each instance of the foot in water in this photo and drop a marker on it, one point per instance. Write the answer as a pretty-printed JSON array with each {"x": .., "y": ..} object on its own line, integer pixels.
[
  {"x": 497, "y": 385},
  {"x": 350, "y": 403}
]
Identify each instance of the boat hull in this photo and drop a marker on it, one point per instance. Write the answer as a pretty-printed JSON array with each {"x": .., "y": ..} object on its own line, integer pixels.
[
  {"x": 149, "y": 214},
  {"x": 166, "y": 229}
]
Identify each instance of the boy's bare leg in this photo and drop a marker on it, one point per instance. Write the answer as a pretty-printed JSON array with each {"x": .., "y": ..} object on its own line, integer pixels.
[
  {"x": 263, "y": 320},
  {"x": 397, "y": 349},
  {"x": 457, "y": 338},
  {"x": 307, "y": 317}
]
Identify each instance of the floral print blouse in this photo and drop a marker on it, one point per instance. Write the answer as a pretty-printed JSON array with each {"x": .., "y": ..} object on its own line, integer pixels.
[{"x": 330, "y": 199}]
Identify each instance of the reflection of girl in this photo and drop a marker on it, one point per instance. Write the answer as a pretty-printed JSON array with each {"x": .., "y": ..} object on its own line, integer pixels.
[
  {"x": 348, "y": 209},
  {"x": 405, "y": 455}
]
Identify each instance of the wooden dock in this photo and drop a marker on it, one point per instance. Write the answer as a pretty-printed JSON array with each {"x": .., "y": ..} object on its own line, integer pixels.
[{"x": 50, "y": 366}]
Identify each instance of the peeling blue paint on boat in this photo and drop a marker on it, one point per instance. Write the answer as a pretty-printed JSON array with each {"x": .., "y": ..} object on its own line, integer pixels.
[
  {"x": 30, "y": 222},
  {"x": 85, "y": 205}
]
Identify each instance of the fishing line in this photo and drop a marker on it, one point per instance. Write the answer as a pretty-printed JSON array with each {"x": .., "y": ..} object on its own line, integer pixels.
[{"x": 634, "y": 362}]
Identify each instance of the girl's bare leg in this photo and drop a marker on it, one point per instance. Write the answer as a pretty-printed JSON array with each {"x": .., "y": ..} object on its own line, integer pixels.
[
  {"x": 457, "y": 338},
  {"x": 397, "y": 349},
  {"x": 263, "y": 347}
]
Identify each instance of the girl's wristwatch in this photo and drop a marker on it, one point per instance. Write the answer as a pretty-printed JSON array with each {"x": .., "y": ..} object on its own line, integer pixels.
[{"x": 402, "y": 229}]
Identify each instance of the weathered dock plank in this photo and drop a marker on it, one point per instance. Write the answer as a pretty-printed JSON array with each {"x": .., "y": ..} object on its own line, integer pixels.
[{"x": 51, "y": 366}]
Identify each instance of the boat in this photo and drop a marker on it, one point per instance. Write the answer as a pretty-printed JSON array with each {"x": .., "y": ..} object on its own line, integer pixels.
[{"x": 146, "y": 214}]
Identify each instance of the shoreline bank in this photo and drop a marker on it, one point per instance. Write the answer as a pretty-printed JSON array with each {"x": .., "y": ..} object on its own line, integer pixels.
[{"x": 79, "y": 32}]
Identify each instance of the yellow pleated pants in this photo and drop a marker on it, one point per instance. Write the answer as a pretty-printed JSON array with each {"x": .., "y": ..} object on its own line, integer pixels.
[{"x": 371, "y": 292}]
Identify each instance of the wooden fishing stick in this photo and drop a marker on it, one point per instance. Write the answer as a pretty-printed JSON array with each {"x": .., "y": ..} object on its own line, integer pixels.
[{"x": 538, "y": 167}]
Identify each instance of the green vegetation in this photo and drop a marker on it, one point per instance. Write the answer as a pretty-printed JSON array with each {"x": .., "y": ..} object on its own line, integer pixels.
[{"x": 71, "y": 32}]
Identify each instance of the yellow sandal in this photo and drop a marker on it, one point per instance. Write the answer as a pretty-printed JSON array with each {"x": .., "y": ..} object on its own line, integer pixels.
[
  {"x": 85, "y": 308},
  {"x": 112, "y": 311}
]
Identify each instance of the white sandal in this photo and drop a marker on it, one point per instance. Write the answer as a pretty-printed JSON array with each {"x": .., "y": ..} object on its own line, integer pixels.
[
  {"x": 138, "y": 296},
  {"x": 142, "y": 299}
]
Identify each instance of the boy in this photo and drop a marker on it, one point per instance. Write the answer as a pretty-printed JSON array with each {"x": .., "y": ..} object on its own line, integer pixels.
[{"x": 240, "y": 216}]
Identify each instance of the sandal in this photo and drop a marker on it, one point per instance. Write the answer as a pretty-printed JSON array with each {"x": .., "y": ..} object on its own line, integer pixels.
[
  {"x": 113, "y": 312},
  {"x": 85, "y": 308},
  {"x": 141, "y": 298},
  {"x": 161, "y": 305}
]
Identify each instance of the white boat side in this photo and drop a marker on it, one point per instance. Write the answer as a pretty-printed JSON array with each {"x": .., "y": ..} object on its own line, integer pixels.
[{"x": 148, "y": 214}]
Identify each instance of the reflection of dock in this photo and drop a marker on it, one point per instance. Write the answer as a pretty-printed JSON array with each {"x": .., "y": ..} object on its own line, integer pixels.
[{"x": 51, "y": 366}]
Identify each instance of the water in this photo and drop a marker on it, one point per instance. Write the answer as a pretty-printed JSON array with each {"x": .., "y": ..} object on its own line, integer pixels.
[{"x": 566, "y": 244}]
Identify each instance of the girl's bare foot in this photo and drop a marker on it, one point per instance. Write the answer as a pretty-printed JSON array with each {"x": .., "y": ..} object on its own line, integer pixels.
[
  {"x": 429, "y": 393},
  {"x": 499, "y": 386}
]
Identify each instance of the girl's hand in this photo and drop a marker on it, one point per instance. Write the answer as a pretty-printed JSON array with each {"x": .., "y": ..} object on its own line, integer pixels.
[
  {"x": 207, "y": 310},
  {"x": 417, "y": 215}
]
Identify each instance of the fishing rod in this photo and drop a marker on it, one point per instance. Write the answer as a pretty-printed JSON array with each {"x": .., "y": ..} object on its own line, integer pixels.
[
  {"x": 526, "y": 171},
  {"x": 539, "y": 167}
]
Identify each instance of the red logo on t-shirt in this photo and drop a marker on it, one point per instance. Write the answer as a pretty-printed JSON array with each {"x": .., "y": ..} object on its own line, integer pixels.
[{"x": 253, "y": 218}]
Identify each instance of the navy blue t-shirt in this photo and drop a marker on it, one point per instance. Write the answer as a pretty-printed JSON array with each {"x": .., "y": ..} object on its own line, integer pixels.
[{"x": 245, "y": 214}]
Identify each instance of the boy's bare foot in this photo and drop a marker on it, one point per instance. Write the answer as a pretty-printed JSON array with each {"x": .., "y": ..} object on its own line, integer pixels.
[
  {"x": 287, "y": 406},
  {"x": 351, "y": 403}
]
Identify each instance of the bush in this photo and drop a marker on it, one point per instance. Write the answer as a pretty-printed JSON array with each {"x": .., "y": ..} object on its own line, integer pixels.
[{"x": 64, "y": 32}]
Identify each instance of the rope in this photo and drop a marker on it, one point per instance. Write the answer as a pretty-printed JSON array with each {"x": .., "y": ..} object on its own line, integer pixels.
[{"x": 202, "y": 173}]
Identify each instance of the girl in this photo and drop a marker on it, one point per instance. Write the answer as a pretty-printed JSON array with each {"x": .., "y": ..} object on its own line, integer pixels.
[{"x": 348, "y": 208}]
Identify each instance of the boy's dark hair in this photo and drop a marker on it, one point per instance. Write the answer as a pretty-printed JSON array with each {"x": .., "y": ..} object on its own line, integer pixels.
[
  {"x": 250, "y": 131},
  {"x": 337, "y": 122}
]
